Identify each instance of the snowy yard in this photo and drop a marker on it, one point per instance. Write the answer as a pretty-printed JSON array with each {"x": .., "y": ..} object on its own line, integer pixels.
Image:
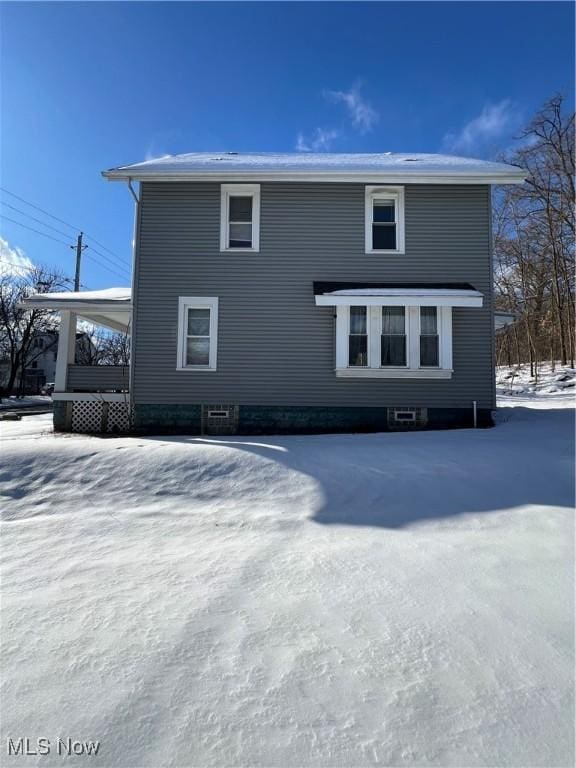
[{"x": 390, "y": 599}]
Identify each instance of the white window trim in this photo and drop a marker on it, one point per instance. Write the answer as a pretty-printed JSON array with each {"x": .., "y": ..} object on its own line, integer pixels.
[
  {"x": 412, "y": 370},
  {"x": 244, "y": 190},
  {"x": 197, "y": 302},
  {"x": 380, "y": 192}
]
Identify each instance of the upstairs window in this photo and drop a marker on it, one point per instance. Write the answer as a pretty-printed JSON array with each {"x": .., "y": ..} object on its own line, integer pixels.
[
  {"x": 197, "y": 333},
  {"x": 384, "y": 220},
  {"x": 240, "y": 217}
]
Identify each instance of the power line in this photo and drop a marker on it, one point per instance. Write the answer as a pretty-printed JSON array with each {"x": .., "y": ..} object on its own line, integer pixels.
[
  {"x": 104, "y": 247},
  {"x": 56, "y": 240},
  {"x": 61, "y": 221},
  {"x": 20, "y": 224},
  {"x": 39, "y": 221},
  {"x": 89, "y": 256},
  {"x": 16, "y": 267},
  {"x": 107, "y": 259},
  {"x": 28, "y": 270},
  {"x": 27, "y": 202}
]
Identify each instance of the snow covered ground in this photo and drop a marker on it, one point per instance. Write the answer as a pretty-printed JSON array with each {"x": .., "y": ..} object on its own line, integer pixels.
[
  {"x": 552, "y": 388},
  {"x": 390, "y": 599}
]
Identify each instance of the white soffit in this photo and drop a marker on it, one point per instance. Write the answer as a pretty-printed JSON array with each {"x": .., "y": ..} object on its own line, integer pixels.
[{"x": 402, "y": 297}]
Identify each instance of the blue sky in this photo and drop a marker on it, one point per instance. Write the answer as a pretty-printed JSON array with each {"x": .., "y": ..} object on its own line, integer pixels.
[{"x": 87, "y": 86}]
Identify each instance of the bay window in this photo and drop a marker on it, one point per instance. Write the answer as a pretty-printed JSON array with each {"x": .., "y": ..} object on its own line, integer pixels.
[
  {"x": 394, "y": 330},
  {"x": 393, "y": 341}
]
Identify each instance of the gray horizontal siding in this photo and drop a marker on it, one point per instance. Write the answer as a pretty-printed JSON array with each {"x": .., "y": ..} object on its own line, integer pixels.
[
  {"x": 275, "y": 346},
  {"x": 97, "y": 378}
]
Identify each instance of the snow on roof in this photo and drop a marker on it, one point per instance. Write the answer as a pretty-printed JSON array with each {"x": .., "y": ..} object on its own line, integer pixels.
[
  {"x": 415, "y": 294},
  {"x": 404, "y": 292},
  {"x": 83, "y": 297},
  {"x": 305, "y": 164},
  {"x": 110, "y": 307}
]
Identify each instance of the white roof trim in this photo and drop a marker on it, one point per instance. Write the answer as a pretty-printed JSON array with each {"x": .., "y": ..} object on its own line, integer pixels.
[
  {"x": 115, "y": 299},
  {"x": 379, "y": 168},
  {"x": 368, "y": 177},
  {"x": 401, "y": 297}
]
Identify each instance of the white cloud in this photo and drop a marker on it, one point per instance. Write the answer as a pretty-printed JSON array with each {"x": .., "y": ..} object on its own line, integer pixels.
[
  {"x": 320, "y": 141},
  {"x": 495, "y": 122},
  {"x": 13, "y": 261},
  {"x": 364, "y": 117}
]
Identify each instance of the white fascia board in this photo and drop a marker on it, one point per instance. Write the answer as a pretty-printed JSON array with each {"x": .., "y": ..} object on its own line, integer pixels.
[
  {"x": 440, "y": 299},
  {"x": 81, "y": 307},
  {"x": 356, "y": 177}
]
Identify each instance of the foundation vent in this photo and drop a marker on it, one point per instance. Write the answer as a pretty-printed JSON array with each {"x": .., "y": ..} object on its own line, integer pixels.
[
  {"x": 407, "y": 418},
  {"x": 220, "y": 419}
]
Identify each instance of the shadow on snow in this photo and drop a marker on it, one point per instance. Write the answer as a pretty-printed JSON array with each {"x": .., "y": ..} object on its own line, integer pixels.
[{"x": 392, "y": 480}]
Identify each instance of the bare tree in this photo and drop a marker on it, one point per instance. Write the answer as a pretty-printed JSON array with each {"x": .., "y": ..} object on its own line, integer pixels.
[
  {"x": 90, "y": 348},
  {"x": 534, "y": 243},
  {"x": 18, "y": 326},
  {"x": 117, "y": 349},
  {"x": 104, "y": 347}
]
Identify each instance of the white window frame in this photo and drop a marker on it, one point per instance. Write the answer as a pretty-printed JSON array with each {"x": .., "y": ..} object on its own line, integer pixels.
[
  {"x": 241, "y": 190},
  {"x": 384, "y": 193},
  {"x": 412, "y": 369},
  {"x": 197, "y": 302}
]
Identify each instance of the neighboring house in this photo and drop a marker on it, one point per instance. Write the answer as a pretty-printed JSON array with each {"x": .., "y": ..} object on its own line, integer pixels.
[
  {"x": 308, "y": 292},
  {"x": 40, "y": 367}
]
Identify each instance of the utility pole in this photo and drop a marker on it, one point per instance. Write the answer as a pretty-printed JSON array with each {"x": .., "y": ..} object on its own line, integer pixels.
[{"x": 79, "y": 248}]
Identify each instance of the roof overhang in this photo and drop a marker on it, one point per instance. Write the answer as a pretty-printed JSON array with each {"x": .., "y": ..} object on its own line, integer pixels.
[
  {"x": 395, "y": 294},
  {"x": 92, "y": 306},
  {"x": 363, "y": 177}
]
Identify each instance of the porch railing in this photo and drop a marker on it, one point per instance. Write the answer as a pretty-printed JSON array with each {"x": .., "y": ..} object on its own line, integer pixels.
[{"x": 98, "y": 378}]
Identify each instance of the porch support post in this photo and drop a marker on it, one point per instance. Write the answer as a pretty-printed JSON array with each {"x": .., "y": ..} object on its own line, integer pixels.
[{"x": 66, "y": 349}]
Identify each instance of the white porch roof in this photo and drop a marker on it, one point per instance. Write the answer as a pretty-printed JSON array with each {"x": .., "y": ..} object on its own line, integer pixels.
[{"x": 110, "y": 308}]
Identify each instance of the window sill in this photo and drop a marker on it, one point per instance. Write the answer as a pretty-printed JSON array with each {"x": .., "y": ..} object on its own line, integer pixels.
[
  {"x": 195, "y": 369},
  {"x": 394, "y": 373},
  {"x": 239, "y": 250},
  {"x": 382, "y": 253}
]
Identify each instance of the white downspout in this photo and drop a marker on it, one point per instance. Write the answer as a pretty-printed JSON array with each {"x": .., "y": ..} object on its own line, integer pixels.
[{"x": 133, "y": 295}]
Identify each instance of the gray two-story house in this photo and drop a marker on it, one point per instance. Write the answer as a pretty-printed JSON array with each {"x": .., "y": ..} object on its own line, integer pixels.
[{"x": 311, "y": 292}]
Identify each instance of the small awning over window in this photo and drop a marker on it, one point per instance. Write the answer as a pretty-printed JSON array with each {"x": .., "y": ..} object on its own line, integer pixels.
[{"x": 397, "y": 294}]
